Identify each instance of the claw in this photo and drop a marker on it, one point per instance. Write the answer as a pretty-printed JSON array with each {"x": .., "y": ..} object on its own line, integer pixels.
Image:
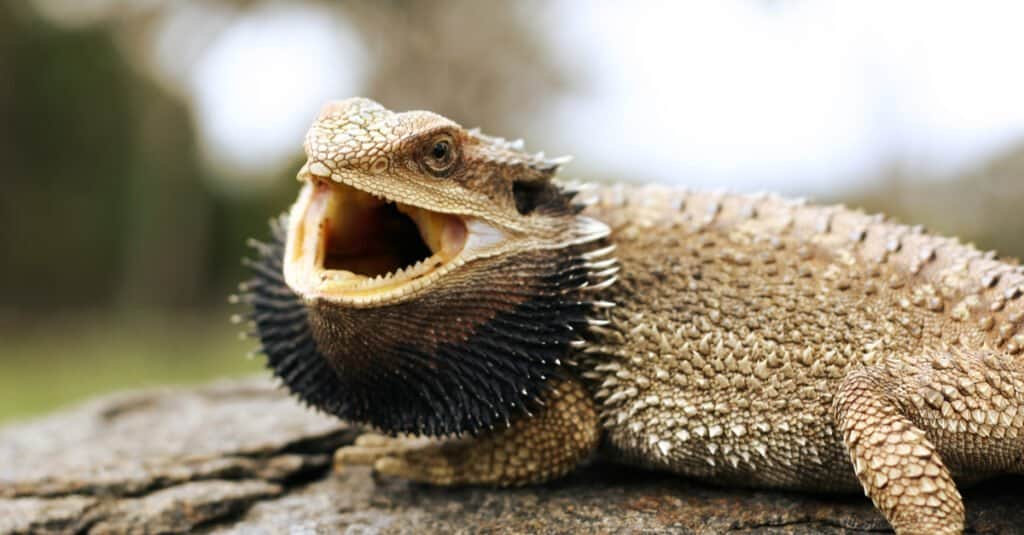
[{"x": 370, "y": 448}]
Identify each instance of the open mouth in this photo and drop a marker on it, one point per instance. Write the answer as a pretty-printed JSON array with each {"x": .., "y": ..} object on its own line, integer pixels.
[{"x": 348, "y": 245}]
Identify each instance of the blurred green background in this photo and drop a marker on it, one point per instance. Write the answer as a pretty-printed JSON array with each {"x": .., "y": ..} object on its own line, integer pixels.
[{"x": 141, "y": 142}]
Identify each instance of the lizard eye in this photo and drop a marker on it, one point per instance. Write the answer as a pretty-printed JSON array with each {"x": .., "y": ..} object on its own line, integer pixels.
[
  {"x": 439, "y": 155},
  {"x": 440, "y": 150}
]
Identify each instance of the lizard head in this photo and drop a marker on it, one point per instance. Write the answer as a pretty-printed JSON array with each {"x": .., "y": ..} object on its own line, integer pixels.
[
  {"x": 393, "y": 202},
  {"x": 429, "y": 279}
]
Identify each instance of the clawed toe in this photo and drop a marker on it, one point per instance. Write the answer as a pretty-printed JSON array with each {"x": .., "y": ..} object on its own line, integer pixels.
[{"x": 370, "y": 448}]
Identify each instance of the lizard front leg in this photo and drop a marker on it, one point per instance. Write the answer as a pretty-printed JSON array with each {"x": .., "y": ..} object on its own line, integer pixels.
[
  {"x": 897, "y": 464},
  {"x": 532, "y": 450}
]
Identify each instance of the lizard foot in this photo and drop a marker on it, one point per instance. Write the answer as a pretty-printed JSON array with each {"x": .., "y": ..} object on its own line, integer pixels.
[
  {"x": 532, "y": 449},
  {"x": 416, "y": 459}
]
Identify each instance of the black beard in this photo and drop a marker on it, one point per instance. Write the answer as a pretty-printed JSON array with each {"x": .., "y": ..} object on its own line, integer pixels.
[{"x": 475, "y": 352}]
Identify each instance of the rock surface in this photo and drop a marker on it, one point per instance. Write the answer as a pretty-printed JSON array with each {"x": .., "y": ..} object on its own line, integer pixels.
[{"x": 242, "y": 457}]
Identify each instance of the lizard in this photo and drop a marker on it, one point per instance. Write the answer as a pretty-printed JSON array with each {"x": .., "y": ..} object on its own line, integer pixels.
[{"x": 498, "y": 325}]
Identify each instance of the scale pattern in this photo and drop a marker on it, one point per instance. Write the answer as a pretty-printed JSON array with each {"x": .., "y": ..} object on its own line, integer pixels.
[{"x": 778, "y": 344}]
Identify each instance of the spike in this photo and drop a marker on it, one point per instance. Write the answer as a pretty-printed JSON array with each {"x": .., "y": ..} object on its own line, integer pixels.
[
  {"x": 603, "y": 284},
  {"x": 600, "y": 264},
  {"x": 605, "y": 273},
  {"x": 597, "y": 253}
]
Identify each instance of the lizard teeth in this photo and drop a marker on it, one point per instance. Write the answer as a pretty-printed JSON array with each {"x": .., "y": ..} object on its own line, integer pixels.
[{"x": 328, "y": 255}]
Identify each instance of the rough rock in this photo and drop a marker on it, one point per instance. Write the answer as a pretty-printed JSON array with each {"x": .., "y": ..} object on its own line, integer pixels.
[
  {"x": 164, "y": 460},
  {"x": 242, "y": 457}
]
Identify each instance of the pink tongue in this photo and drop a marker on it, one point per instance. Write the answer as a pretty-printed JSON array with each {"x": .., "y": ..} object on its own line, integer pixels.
[{"x": 453, "y": 236}]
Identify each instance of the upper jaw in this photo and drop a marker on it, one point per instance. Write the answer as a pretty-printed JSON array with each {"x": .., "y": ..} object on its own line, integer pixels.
[
  {"x": 316, "y": 171},
  {"x": 349, "y": 246}
]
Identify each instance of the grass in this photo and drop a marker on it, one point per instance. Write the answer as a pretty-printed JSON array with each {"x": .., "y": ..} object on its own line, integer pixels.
[{"x": 51, "y": 364}]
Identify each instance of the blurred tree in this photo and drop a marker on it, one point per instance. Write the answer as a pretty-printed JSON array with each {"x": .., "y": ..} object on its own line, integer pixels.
[
  {"x": 483, "y": 62},
  {"x": 64, "y": 141},
  {"x": 105, "y": 198},
  {"x": 168, "y": 209}
]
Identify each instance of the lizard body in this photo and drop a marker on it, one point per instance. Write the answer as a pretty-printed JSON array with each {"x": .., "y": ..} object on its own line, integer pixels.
[
  {"x": 738, "y": 336},
  {"x": 743, "y": 339}
]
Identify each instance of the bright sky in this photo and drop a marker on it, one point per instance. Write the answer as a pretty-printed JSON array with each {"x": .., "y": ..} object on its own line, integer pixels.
[{"x": 789, "y": 96}]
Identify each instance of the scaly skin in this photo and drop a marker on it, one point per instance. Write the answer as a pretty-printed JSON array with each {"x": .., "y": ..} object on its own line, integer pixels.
[
  {"x": 770, "y": 343},
  {"x": 754, "y": 340}
]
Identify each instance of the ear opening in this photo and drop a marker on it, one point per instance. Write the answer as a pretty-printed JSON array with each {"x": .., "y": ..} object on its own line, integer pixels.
[{"x": 531, "y": 194}]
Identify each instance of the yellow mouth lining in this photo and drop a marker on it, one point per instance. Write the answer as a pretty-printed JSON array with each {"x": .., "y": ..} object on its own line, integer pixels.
[{"x": 348, "y": 245}]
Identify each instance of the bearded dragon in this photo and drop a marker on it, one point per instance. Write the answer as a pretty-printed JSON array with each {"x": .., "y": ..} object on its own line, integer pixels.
[{"x": 434, "y": 281}]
